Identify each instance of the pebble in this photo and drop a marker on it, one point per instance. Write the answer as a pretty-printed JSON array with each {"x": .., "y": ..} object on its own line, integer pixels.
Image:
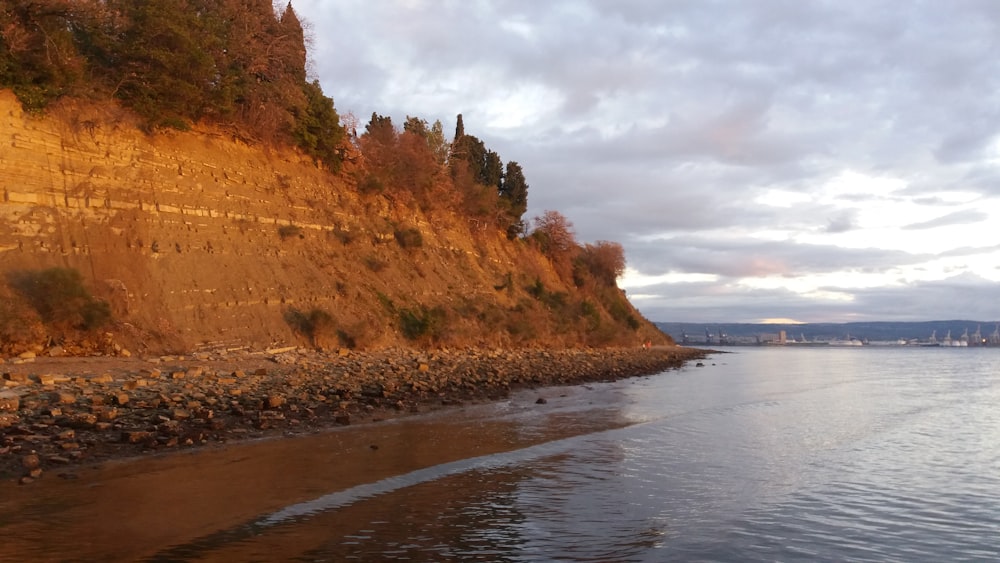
[{"x": 70, "y": 419}]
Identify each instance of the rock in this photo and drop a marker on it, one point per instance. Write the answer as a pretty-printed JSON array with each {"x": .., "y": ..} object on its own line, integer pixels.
[
  {"x": 30, "y": 461},
  {"x": 56, "y": 351},
  {"x": 150, "y": 373},
  {"x": 343, "y": 419},
  {"x": 541, "y": 401},
  {"x": 275, "y": 401},
  {"x": 136, "y": 436},
  {"x": 26, "y": 356},
  {"x": 288, "y": 358},
  {"x": 26, "y": 480},
  {"x": 103, "y": 378},
  {"x": 424, "y": 368},
  {"x": 119, "y": 399},
  {"x": 9, "y": 401},
  {"x": 16, "y": 377},
  {"x": 124, "y": 353},
  {"x": 64, "y": 398}
]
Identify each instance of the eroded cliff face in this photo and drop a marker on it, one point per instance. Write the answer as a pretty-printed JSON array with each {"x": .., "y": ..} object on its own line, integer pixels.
[{"x": 200, "y": 240}]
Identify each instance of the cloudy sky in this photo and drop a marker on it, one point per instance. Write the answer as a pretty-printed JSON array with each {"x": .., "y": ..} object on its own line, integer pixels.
[{"x": 819, "y": 161}]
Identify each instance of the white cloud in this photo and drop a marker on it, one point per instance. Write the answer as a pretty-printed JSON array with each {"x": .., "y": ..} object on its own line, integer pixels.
[{"x": 755, "y": 159}]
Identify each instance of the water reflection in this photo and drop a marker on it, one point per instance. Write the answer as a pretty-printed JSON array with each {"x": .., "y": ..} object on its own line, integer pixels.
[
  {"x": 200, "y": 500},
  {"x": 837, "y": 455}
]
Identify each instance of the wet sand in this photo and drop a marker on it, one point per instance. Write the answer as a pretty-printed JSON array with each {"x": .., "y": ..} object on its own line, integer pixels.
[
  {"x": 60, "y": 414},
  {"x": 192, "y": 504}
]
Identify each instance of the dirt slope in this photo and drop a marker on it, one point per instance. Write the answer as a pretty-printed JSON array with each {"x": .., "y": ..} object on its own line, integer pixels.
[{"x": 199, "y": 240}]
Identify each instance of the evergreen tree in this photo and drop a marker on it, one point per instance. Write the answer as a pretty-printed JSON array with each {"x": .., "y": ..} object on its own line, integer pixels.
[
  {"x": 490, "y": 170},
  {"x": 293, "y": 41},
  {"x": 433, "y": 136},
  {"x": 514, "y": 197},
  {"x": 166, "y": 67},
  {"x": 416, "y": 126},
  {"x": 459, "y": 129},
  {"x": 381, "y": 130},
  {"x": 317, "y": 127},
  {"x": 39, "y": 60}
]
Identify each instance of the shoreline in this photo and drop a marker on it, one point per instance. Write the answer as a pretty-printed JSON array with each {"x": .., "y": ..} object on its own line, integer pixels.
[{"x": 59, "y": 415}]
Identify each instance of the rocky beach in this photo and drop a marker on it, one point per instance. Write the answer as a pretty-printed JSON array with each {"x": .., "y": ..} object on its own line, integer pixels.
[{"x": 61, "y": 413}]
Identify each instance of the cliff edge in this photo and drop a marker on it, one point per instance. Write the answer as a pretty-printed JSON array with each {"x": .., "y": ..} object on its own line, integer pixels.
[{"x": 198, "y": 240}]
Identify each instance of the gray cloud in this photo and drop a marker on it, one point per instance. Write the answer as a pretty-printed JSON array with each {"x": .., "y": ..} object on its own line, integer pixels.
[
  {"x": 960, "y": 297},
  {"x": 659, "y": 124},
  {"x": 843, "y": 222},
  {"x": 750, "y": 258},
  {"x": 963, "y": 217}
]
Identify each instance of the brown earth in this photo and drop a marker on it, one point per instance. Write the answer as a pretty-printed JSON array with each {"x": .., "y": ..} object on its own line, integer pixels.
[
  {"x": 201, "y": 241},
  {"x": 59, "y": 413}
]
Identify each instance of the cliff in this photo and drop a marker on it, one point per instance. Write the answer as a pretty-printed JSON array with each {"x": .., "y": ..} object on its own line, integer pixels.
[{"x": 199, "y": 240}]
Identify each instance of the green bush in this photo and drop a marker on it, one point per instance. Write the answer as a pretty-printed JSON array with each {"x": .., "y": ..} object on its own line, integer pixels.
[
  {"x": 619, "y": 309},
  {"x": 374, "y": 264},
  {"x": 409, "y": 238},
  {"x": 589, "y": 312},
  {"x": 311, "y": 325},
  {"x": 370, "y": 184},
  {"x": 422, "y": 322},
  {"x": 290, "y": 231},
  {"x": 61, "y": 300},
  {"x": 343, "y": 235}
]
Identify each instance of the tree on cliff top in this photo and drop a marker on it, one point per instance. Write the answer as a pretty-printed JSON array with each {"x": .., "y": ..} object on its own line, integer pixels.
[
  {"x": 514, "y": 199},
  {"x": 173, "y": 62},
  {"x": 553, "y": 233}
]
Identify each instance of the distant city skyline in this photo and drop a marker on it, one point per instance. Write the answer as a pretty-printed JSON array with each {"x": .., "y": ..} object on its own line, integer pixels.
[
  {"x": 973, "y": 332},
  {"x": 799, "y": 161}
]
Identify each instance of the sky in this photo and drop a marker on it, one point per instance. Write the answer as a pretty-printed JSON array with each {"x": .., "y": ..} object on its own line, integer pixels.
[{"x": 758, "y": 160}]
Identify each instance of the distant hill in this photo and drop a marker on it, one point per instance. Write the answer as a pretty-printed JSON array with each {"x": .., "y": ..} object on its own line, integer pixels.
[{"x": 746, "y": 333}]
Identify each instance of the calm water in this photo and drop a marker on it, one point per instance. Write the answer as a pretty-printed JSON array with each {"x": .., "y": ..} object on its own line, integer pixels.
[{"x": 760, "y": 455}]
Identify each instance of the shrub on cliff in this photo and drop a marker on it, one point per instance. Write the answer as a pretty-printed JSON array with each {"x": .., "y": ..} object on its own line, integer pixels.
[
  {"x": 20, "y": 326},
  {"x": 61, "y": 299},
  {"x": 409, "y": 237},
  {"x": 314, "y": 325},
  {"x": 422, "y": 323},
  {"x": 290, "y": 231}
]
